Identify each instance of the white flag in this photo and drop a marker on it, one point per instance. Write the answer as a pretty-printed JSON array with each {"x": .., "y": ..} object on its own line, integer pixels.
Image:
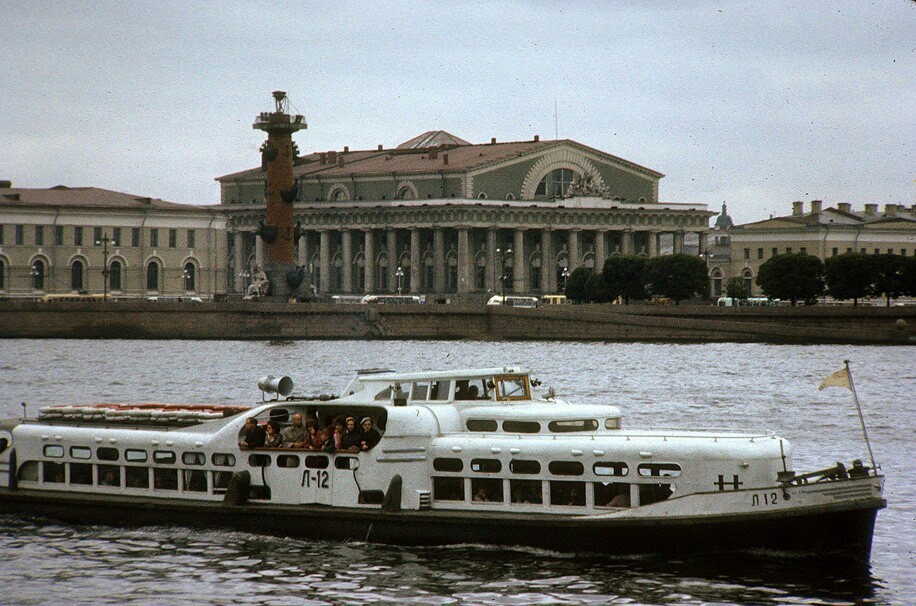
[{"x": 838, "y": 379}]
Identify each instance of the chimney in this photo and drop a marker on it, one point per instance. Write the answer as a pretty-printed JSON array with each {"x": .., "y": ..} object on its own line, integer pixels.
[
  {"x": 444, "y": 158},
  {"x": 380, "y": 148},
  {"x": 332, "y": 157},
  {"x": 798, "y": 208},
  {"x": 844, "y": 206},
  {"x": 493, "y": 141},
  {"x": 6, "y": 184},
  {"x": 323, "y": 158},
  {"x": 890, "y": 210},
  {"x": 871, "y": 210},
  {"x": 816, "y": 206},
  {"x": 537, "y": 138},
  {"x": 346, "y": 149},
  {"x": 340, "y": 160}
]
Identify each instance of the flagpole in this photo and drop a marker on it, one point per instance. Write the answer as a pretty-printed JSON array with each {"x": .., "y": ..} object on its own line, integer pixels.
[{"x": 855, "y": 397}]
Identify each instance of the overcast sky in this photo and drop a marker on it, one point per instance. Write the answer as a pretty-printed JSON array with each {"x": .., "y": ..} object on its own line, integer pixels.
[{"x": 752, "y": 103}]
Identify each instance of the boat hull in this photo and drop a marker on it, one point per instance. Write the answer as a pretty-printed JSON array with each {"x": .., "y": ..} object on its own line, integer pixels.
[{"x": 841, "y": 532}]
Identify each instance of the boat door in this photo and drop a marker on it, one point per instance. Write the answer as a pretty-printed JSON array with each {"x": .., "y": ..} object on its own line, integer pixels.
[{"x": 317, "y": 479}]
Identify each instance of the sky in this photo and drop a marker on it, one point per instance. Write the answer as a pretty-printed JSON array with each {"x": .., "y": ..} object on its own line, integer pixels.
[{"x": 751, "y": 103}]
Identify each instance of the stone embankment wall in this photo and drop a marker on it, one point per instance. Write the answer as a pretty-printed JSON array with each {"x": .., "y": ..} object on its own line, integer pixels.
[{"x": 253, "y": 320}]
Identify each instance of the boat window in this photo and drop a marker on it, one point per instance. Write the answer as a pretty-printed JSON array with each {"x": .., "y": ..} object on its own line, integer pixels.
[
  {"x": 448, "y": 464},
  {"x": 280, "y": 415},
  {"x": 567, "y": 493},
  {"x": 440, "y": 390},
  {"x": 610, "y": 468},
  {"x": 165, "y": 478},
  {"x": 419, "y": 391},
  {"x": 316, "y": 462},
  {"x": 193, "y": 458},
  {"x": 259, "y": 460},
  {"x": 486, "y": 465},
  {"x": 288, "y": 461},
  {"x": 52, "y": 472},
  {"x": 448, "y": 489},
  {"x": 664, "y": 470},
  {"x": 566, "y": 468},
  {"x": 135, "y": 456},
  {"x": 221, "y": 459},
  {"x": 137, "y": 477},
  {"x": 486, "y": 490},
  {"x": 521, "y": 426},
  {"x": 612, "y": 423},
  {"x": 54, "y": 451},
  {"x": 526, "y": 491},
  {"x": 28, "y": 471},
  {"x": 654, "y": 493},
  {"x": 512, "y": 387},
  {"x": 106, "y": 453},
  {"x": 346, "y": 463},
  {"x": 611, "y": 494},
  {"x": 385, "y": 394},
  {"x": 194, "y": 480},
  {"x": 80, "y": 452},
  {"x": 573, "y": 425},
  {"x": 519, "y": 466},
  {"x": 164, "y": 457},
  {"x": 481, "y": 425},
  {"x": 108, "y": 475},
  {"x": 80, "y": 473},
  {"x": 221, "y": 481}
]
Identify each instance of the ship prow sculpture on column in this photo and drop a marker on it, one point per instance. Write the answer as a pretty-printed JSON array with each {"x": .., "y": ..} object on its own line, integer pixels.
[{"x": 278, "y": 230}]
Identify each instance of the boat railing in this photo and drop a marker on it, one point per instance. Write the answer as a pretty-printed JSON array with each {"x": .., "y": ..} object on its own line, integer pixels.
[{"x": 830, "y": 474}]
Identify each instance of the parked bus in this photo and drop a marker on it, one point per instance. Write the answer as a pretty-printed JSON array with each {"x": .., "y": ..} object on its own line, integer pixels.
[
  {"x": 347, "y": 299},
  {"x": 393, "y": 299},
  {"x": 750, "y": 301},
  {"x": 70, "y": 297},
  {"x": 509, "y": 301},
  {"x": 554, "y": 300}
]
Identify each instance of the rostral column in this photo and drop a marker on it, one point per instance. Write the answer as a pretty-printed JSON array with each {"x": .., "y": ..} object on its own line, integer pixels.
[{"x": 278, "y": 230}]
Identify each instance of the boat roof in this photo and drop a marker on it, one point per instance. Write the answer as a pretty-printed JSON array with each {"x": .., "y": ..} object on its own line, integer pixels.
[{"x": 389, "y": 376}]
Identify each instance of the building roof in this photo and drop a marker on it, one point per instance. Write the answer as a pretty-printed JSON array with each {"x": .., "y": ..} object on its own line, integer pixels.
[
  {"x": 834, "y": 217},
  {"x": 88, "y": 197},
  {"x": 433, "y": 138}
]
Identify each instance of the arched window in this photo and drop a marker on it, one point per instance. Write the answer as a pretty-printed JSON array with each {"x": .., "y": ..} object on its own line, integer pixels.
[
  {"x": 190, "y": 277},
  {"x": 556, "y": 183},
  {"x": 482, "y": 195},
  {"x": 748, "y": 281},
  {"x": 510, "y": 197},
  {"x": 38, "y": 274},
  {"x": 152, "y": 276},
  {"x": 406, "y": 193},
  {"x": 114, "y": 275},
  {"x": 76, "y": 275}
]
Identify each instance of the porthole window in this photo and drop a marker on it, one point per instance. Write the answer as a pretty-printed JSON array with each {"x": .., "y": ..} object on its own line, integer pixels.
[
  {"x": 612, "y": 423},
  {"x": 573, "y": 425},
  {"x": 610, "y": 468},
  {"x": 222, "y": 459},
  {"x": 193, "y": 458},
  {"x": 521, "y": 426},
  {"x": 259, "y": 460},
  {"x": 566, "y": 468},
  {"x": 486, "y": 465},
  {"x": 133, "y": 455},
  {"x": 481, "y": 425},
  {"x": 80, "y": 452},
  {"x": 350, "y": 463},
  {"x": 663, "y": 470},
  {"x": 54, "y": 451},
  {"x": 527, "y": 467},
  {"x": 106, "y": 453},
  {"x": 448, "y": 464},
  {"x": 288, "y": 461},
  {"x": 316, "y": 462},
  {"x": 164, "y": 457}
]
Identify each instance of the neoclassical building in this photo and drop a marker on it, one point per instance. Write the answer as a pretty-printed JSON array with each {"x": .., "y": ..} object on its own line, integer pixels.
[
  {"x": 59, "y": 240},
  {"x": 446, "y": 218}
]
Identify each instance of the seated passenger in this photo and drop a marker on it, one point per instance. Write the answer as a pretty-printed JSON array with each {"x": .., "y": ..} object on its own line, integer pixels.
[
  {"x": 472, "y": 392},
  {"x": 315, "y": 440},
  {"x": 370, "y": 437},
  {"x": 351, "y": 437},
  {"x": 295, "y": 436},
  {"x": 274, "y": 438},
  {"x": 461, "y": 390},
  {"x": 481, "y": 495},
  {"x": 254, "y": 434}
]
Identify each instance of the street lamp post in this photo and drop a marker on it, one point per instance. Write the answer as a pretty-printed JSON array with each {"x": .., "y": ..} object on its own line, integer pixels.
[
  {"x": 103, "y": 241},
  {"x": 565, "y": 275},
  {"x": 400, "y": 274},
  {"x": 502, "y": 272}
]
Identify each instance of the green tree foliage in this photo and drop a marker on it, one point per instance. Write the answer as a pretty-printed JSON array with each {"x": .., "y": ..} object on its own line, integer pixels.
[
  {"x": 596, "y": 290},
  {"x": 890, "y": 278},
  {"x": 677, "y": 277},
  {"x": 794, "y": 277},
  {"x": 735, "y": 289},
  {"x": 849, "y": 276},
  {"x": 624, "y": 277},
  {"x": 575, "y": 284},
  {"x": 909, "y": 277}
]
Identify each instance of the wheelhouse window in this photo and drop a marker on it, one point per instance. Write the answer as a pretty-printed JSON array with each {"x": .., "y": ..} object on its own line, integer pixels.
[
  {"x": 573, "y": 425},
  {"x": 512, "y": 387},
  {"x": 472, "y": 389}
]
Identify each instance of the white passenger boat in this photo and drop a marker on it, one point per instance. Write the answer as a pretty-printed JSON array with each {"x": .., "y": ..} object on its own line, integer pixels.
[{"x": 469, "y": 456}]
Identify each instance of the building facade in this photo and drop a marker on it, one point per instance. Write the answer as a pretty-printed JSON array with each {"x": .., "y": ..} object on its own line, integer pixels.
[
  {"x": 446, "y": 218},
  {"x": 740, "y": 250},
  {"x": 60, "y": 240}
]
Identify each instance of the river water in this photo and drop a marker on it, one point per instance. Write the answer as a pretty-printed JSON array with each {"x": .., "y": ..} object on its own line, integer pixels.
[{"x": 656, "y": 385}]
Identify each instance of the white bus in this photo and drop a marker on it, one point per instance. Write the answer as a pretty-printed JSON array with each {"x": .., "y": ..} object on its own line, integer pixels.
[
  {"x": 750, "y": 301},
  {"x": 393, "y": 299},
  {"x": 509, "y": 301}
]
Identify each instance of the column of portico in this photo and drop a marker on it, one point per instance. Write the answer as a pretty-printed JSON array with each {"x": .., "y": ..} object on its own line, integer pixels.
[
  {"x": 346, "y": 257},
  {"x": 653, "y": 244},
  {"x": 702, "y": 235},
  {"x": 626, "y": 242},
  {"x": 678, "y": 242},
  {"x": 238, "y": 283},
  {"x": 302, "y": 249},
  {"x": 369, "y": 266},
  {"x": 415, "y": 260},
  {"x": 324, "y": 261},
  {"x": 463, "y": 260},
  {"x": 259, "y": 251},
  {"x": 549, "y": 277},
  {"x": 519, "y": 275},
  {"x": 493, "y": 272},
  {"x": 574, "y": 260},
  {"x": 599, "y": 250},
  {"x": 392, "y": 243},
  {"x": 438, "y": 260}
]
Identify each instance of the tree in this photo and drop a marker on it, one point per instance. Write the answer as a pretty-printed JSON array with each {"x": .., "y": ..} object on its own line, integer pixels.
[
  {"x": 849, "y": 276},
  {"x": 735, "y": 289},
  {"x": 575, "y": 284},
  {"x": 792, "y": 276},
  {"x": 677, "y": 277},
  {"x": 890, "y": 280},
  {"x": 596, "y": 290},
  {"x": 624, "y": 277}
]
